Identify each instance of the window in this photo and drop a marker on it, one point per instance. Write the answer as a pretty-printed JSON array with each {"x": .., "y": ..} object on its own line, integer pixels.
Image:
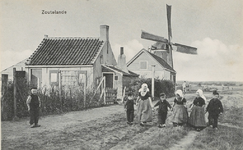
[
  {"x": 73, "y": 78},
  {"x": 116, "y": 77},
  {"x": 53, "y": 77},
  {"x": 143, "y": 65}
]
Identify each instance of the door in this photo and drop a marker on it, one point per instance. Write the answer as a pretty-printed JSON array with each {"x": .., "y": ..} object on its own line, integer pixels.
[
  {"x": 109, "y": 80},
  {"x": 36, "y": 78}
]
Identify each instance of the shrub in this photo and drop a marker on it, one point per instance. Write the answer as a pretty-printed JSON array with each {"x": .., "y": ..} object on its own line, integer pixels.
[
  {"x": 72, "y": 100},
  {"x": 165, "y": 86}
]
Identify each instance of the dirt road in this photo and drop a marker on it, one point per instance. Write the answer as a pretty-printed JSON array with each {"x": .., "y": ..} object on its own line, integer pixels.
[{"x": 99, "y": 128}]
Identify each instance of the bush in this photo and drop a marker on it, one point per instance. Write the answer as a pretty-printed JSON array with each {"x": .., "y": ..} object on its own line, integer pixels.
[
  {"x": 165, "y": 86},
  {"x": 71, "y": 100},
  {"x": 8, "y": 100}
]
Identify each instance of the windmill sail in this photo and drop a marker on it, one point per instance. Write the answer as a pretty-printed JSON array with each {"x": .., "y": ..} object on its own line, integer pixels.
[
  {"x": 168, "y": 7},
  {"x": 149, "y": 36},
  {"x": 185, "y": 49}
]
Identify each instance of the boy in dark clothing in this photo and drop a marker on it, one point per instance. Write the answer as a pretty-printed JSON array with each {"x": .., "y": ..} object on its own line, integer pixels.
[
  {"x": 214, "y": 109},
  {"x": 162, "y": 111},
  {"x": 129, "y": 107},
  {"x": 33, "y": 104}
]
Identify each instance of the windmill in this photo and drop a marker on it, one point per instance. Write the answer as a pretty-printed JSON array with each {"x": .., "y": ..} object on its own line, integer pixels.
[{"x": 163, "y": 47}]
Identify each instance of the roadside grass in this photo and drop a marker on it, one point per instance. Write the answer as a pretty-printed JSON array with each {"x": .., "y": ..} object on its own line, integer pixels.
[
  {"x": 226, "y": 138},
  {"x": 164, "y": 138},
  {"x": 233, "y": 116}
]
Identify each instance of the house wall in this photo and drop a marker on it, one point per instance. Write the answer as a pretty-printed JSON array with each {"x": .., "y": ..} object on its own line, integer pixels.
[
  {"x": 44, "y": 78},
  {"x": 160, "y": 72},
  {"x": 106, "y": 56}
]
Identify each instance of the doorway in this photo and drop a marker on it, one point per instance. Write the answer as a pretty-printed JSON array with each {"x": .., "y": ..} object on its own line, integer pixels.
[{"x": 109, "y": 79}]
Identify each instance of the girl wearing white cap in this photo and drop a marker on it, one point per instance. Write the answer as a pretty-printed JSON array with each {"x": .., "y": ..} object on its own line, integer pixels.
[
  {"x": 197, "y": 116},
  {"x": 144, "y": 105},
  {"x": 180, "y": 112}
]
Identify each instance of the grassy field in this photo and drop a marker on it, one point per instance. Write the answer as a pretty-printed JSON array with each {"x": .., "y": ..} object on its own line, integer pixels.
[{"x": 226, "y": 138}]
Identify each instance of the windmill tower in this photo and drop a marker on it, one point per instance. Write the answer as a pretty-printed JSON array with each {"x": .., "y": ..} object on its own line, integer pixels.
[{"x": 163, "y": 47}]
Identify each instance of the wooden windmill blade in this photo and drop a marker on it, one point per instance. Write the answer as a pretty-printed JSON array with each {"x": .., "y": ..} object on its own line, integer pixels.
[
  {"x": 168, "y": 10},
  {"x": 149, "y": 36},
  {"x": 185, "y": 49}
]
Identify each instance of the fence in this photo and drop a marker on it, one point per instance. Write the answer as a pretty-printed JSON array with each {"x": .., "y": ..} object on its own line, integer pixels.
[{"x": 69, "y": 95}]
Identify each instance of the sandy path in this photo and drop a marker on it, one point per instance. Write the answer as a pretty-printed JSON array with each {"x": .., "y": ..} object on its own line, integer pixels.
[
  {"x": 186, "y": 141},
  {"x": 12, "y": 130}
]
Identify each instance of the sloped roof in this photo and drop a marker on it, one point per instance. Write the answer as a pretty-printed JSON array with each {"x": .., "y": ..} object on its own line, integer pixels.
[
  {"x": 112, "y": 68},
  {"x": 66, "y": 51},
  {"x": 160, "y": 60}
]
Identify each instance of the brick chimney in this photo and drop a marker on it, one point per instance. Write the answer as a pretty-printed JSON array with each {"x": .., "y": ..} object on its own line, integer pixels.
[
  {"x": 122, "y": 61},
  {"x": 45, "y": 36},
  {"x": 104, "y": 32}
]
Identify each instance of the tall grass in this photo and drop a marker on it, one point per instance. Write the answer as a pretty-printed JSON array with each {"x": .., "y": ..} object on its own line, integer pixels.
[
  {"x": 51, "y": 102},
  {"x": 225, "y": 138}
]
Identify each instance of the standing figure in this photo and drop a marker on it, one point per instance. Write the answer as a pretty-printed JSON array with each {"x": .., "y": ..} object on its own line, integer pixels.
[
  {"x": 162, "y": 111},
  {"x": 184, "y": 87},
  {"x": 129, "y": 106},
  {"x": 144, "y": 105},
  {"x": 197, "y": 116},
  {"x": 179, "y": 107},
  {"x": 214, "y": 109},
  {"x": 33, "y": 103}
]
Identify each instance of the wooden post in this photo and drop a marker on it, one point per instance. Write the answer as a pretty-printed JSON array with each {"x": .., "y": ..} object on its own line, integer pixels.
[
  {"x": 153, "y": 71},
  {"x": 4, "y": 88},
  {"x": 15, "y": 94},
  {"x": 104, "y": 89},
  {"x": 60, "y": 87},
  {"x": 85, "y": 85},
  {"x": 4, "y": 83}
]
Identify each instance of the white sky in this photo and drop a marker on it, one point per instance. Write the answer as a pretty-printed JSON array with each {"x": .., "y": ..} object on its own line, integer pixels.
[{"x": 215, "y": 27}]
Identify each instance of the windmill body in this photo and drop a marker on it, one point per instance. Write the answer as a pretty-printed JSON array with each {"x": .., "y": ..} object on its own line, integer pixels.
[{"x": 163, "y": 46}]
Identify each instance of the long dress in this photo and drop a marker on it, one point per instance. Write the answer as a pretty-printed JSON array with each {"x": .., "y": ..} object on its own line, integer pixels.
[
  {"x": 180, "y": 112},
  {"x": 144, "y": 108},
  {"x": 197, "y": 116}
]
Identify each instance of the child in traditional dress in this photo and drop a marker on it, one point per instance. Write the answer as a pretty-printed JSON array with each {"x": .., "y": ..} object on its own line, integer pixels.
[
  {"x": 214, "y": 109},
  {"x": 33, "y": 103},
  {"x": 180, "y": 116},
  {"x": 129, "y": 107},
  {"x": 145, "y": 105},
  {"x": 197, "y": 116},
  {"x": 162, "y": 111}
]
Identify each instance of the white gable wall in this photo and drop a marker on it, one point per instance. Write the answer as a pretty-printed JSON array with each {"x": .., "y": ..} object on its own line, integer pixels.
[{"x": 160, "y": 71}]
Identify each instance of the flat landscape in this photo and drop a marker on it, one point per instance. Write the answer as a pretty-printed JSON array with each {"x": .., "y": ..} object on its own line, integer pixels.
[{"x": 105, "y": 128}]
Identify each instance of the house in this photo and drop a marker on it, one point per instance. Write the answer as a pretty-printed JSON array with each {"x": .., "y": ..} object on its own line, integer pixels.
[
  {"x": 20, "y": 66},
  {"x": 120, "y": 74},
  {"x": 142, "y": 63},
  {"x": 69, "y": 62}
]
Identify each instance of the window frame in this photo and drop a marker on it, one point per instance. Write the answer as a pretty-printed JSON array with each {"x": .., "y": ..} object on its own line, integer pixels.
[{"x": 142, "y": 61}]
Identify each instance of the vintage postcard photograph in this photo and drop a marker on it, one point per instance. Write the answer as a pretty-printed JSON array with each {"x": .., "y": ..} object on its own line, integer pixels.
[{"x": 121, "y": 74}]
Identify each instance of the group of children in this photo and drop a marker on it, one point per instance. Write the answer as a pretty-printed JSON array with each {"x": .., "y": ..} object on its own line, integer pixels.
[{"x": 214, "y": 108}]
